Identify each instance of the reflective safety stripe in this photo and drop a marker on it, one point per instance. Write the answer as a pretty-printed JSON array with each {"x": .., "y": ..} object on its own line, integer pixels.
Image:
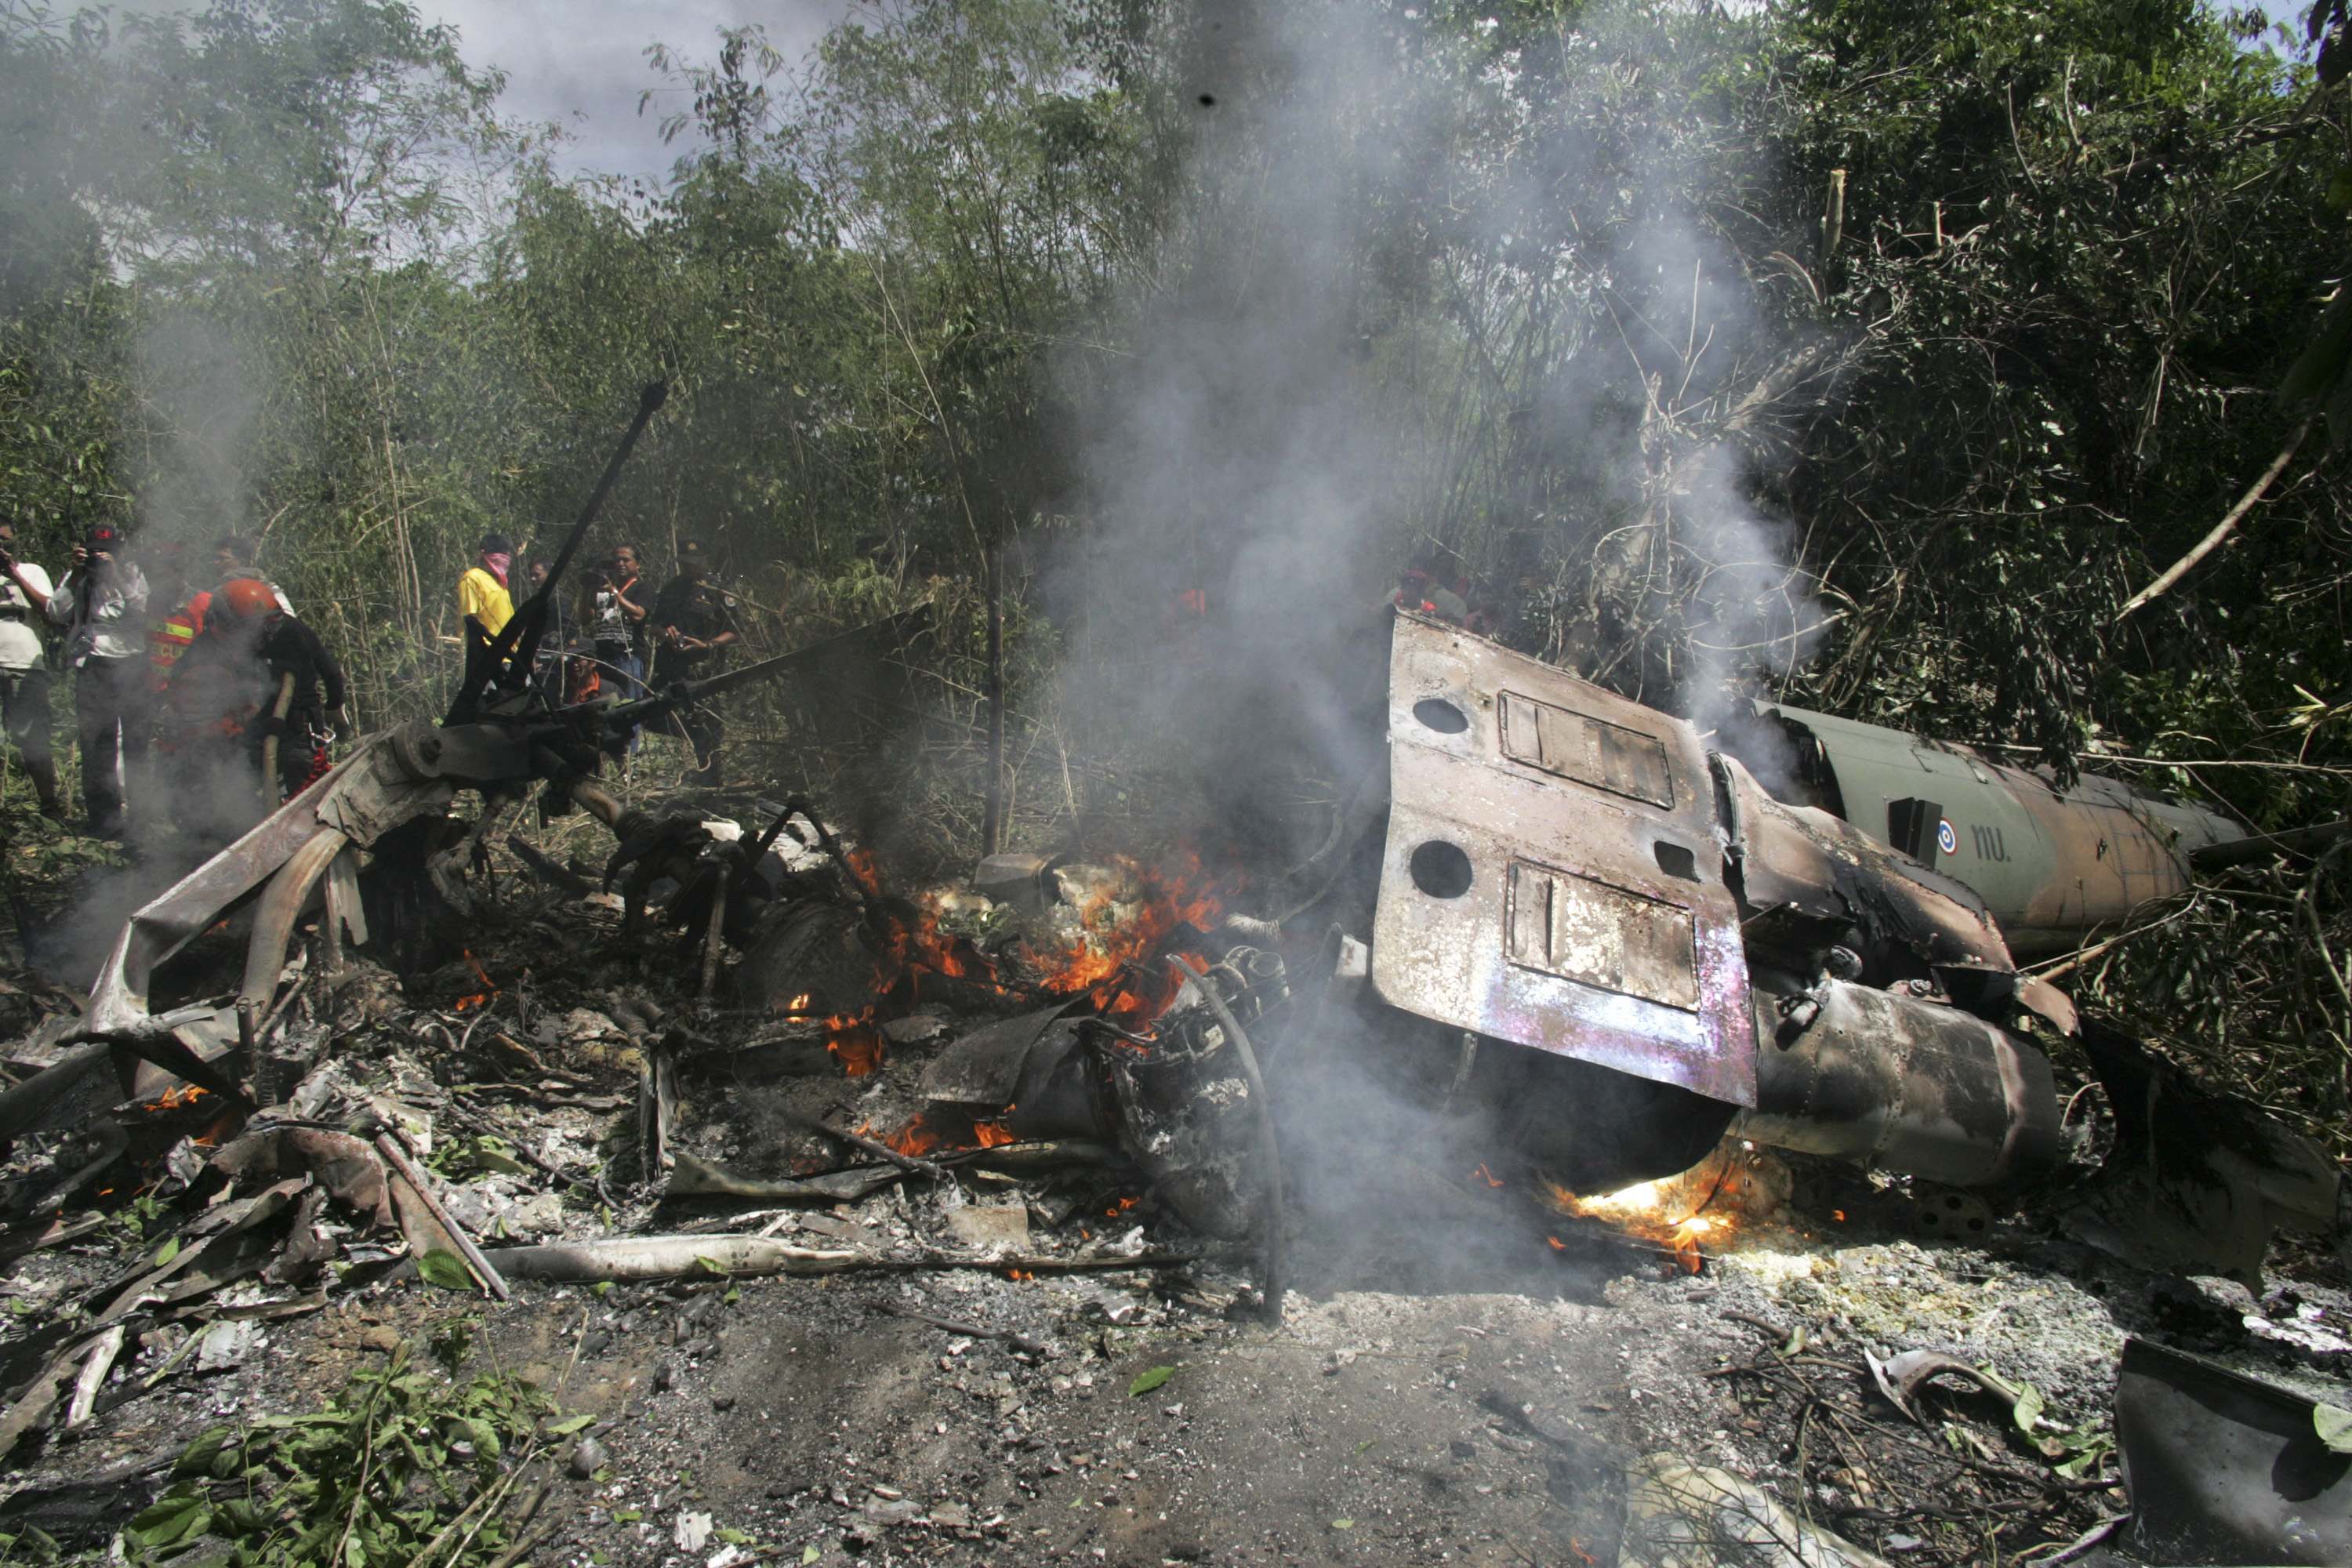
[{"x": 168, "y": 641}]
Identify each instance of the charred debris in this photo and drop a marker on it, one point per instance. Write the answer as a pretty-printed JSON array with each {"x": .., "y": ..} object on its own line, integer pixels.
[{"x": 1551, "y": 944}]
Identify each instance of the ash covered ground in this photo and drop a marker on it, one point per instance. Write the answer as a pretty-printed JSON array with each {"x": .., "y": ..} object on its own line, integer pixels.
[{"x": 1032, "y": 1353}]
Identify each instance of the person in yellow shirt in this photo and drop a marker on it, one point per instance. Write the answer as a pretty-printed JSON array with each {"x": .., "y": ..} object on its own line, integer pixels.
[{"x": 482, "y": 593}]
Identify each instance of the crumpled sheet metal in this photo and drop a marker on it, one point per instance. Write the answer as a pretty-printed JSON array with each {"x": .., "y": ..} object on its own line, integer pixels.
[
  {"x": 368, "y": 789},
  {"x": 1553, "y": 870},
  {"x": 2224, "y": 1468},
  {"x": 1803, "y": 858},
  {"x": 2197, "y": 1179}
]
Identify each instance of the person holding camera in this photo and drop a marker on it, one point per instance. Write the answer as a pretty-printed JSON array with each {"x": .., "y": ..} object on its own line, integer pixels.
[
  {"x": 616, "y": 609},
  {"x": 24, "y": 592},
  {"x": 102, "y": 605}
]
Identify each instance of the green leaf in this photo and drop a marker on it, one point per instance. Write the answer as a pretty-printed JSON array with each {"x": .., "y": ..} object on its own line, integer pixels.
[
  {"x": 628, "y": 1515},
  {"x": 446, "y": 1269},
  {"x": 603, "y": 1287},
  {"x": 199, "y": 1456},
  {"x": 2334, "y": 1424},
  {"x": 180, "y": 1514},
  {"x": 1343, "y": 1524},
  {"x": 168, "y": 1251},
  {"x": 809, "y": 1554},
  {"x": 1150, "y": 1381},
  {"x": 2028, "y": 1408},
  {"x": 571, "y": 1424}
]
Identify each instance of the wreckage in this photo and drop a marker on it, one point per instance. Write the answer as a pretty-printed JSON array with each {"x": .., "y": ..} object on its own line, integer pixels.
[
  {"x": 1677, "y": 952},
  {"x": 1549, "y": 907}
]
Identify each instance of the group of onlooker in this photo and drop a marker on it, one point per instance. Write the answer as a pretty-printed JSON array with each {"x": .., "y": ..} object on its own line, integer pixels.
[
  {"x": 203, "y": 661},
  {"x": 225, "y": 680},
  {"x": 615, "y": 633}
]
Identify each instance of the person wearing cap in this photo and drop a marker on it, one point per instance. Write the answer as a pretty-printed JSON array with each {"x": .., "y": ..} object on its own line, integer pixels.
[
  {"x": 482, "y": 593},
  {"x": 694, "y": 620},
  {"x": 24, "y": 592},
  {"x": 102, "y": 605}
]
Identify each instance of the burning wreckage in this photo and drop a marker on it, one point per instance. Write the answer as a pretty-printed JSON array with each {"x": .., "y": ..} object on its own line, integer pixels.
[
  {"x": 1548, "y": 922},
  {"x": 1558, "y": 917}
]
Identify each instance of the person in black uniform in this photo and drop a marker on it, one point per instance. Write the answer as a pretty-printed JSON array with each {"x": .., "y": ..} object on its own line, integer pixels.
[
  {"x": 255, "y": 675},
  {"x": 693, "y": 620}
]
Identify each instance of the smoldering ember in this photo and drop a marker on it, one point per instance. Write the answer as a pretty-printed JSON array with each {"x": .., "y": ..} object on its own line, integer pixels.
[{"x": 1493, "y": 785}]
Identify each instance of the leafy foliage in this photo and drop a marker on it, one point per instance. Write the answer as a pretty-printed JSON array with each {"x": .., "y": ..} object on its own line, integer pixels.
[{"x": 401, "y": 1465}]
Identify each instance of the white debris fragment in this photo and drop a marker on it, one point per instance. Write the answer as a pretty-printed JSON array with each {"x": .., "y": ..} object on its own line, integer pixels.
[{"x": 691, "y": 1530}]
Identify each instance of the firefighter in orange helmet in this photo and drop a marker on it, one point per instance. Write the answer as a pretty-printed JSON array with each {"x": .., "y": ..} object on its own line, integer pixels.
[{"x": 255, "y": 696}]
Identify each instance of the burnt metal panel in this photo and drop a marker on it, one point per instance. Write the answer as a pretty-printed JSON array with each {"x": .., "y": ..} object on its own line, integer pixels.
[
  {"x": 1553, "y": 874},
  {"x": 1586, "y": 930},
  {"x": 1801, "y": 858},
  {"x": 2225, "y": 1468},
  {"x": 2051, "y": 864},
  {"x": 1587, "y": 750}
]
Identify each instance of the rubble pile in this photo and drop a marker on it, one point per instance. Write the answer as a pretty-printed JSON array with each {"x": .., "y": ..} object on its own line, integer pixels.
[{"x": 1000, "y": 1146}]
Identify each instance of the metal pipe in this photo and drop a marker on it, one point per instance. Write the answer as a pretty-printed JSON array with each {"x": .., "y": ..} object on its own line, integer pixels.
[{"x": 1883, "y": 1078}]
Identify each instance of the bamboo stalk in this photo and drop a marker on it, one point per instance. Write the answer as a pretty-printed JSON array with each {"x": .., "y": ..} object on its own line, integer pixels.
[{"x": 388, "y": 1144}]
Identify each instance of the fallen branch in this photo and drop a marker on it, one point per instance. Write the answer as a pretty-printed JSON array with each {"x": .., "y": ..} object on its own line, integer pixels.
[
  {"x": 388, "y": 1146},
  {"x": 56, "y": 1233},
  {"x": 2212, "y": 542},
  {"x": 668, "y": 1258},
  {"x": 1019, "y": 1341},
  {"x": 909, "y": 1162},
  {"x": 561, "y": 878}
]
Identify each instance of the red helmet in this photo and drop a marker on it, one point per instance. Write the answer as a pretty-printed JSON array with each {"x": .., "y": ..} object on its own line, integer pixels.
[{"x": 248, "y": 598}]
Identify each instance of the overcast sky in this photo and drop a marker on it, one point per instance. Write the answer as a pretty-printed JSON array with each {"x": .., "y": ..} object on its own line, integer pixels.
[{"x": 582, "y": 61}]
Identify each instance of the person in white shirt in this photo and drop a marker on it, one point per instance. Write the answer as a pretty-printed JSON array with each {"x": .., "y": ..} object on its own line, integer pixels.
[
  {"x": 24, "y": 592},
  {"x": 102, "y": 604}
]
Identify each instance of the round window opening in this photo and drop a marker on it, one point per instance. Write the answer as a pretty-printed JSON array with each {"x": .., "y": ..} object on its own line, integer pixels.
[
  {"x": 1436, "y": 713},
  {"x": 1439, "y": 870}
]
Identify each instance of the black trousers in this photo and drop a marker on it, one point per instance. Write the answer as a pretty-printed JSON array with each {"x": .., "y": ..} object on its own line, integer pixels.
[{"x": 110, "y": 710}]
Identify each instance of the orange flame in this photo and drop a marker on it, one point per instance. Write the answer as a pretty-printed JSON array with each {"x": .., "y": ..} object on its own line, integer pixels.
[
  {"x": 483, "y": 997},
  {"x": 855, "y": 1043},
  {"x": 172, "y": 1099},
  {"x": 1116, "y": 955},
  {"x": 1645, "y": 1210}
]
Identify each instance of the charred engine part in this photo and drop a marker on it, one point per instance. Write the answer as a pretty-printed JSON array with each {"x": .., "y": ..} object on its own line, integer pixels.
[
  {"x": 1180, "y": 1103},
  {"x": 1882, "y": 1078}
]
